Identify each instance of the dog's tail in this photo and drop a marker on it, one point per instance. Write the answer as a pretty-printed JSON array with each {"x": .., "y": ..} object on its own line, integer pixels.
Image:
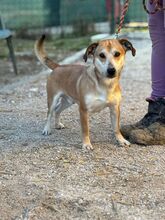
[{"x": 41, "y": 54}]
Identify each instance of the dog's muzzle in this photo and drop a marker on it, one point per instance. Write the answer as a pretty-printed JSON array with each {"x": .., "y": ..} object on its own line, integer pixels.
[{"x": 111, "y": 72}]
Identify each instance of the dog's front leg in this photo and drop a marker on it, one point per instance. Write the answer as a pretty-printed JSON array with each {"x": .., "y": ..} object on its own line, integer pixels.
[
  {"x": 85, "y": 129},
  {"x": 115, "y": 120}
]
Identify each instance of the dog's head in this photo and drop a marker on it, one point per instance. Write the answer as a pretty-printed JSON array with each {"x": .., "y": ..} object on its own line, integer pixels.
[{"x": 108, "y": 56}]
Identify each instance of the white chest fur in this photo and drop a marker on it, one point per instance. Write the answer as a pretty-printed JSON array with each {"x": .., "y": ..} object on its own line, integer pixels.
[{"x": 95, "y": 102}]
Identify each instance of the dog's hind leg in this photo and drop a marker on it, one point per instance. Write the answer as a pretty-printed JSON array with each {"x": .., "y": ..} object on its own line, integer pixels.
[
  {"x": 51, "y": 108},
  {"x": 63, "y": 103}
]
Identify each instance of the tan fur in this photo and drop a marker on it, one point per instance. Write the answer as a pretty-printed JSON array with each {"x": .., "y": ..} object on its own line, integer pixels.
[{"x": 89, "y": 86}]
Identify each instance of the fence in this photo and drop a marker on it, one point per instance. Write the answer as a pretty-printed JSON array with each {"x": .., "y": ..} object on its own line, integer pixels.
[{"x": 82, "y": 14}]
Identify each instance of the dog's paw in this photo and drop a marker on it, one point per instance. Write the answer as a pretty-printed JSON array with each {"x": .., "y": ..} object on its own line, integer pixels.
[
  {"x": 59, "y": 126},
  {"x": 46, "y": 131},
  {"x": 124, "y": 142},
  {"x": 87, "y": 146}
]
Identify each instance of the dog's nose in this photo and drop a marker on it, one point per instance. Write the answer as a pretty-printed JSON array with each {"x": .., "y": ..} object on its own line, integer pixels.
[{"x": 111, "y": 72}]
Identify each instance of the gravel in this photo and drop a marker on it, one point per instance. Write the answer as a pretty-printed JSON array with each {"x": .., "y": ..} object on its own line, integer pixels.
[{"x": 53, "y": 178}]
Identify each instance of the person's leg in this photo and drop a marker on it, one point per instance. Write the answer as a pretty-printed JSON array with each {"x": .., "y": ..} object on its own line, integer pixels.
[
  {"x": 151, "y": 129},
  {"x": 157, "y": 34}
]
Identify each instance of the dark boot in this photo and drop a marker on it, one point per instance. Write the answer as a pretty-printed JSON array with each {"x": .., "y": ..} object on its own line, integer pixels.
[{"x": 151, "y": 129}]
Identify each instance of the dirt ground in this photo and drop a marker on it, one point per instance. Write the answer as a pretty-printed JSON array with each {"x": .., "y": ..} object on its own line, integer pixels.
[{"x": 44, "y": 178}]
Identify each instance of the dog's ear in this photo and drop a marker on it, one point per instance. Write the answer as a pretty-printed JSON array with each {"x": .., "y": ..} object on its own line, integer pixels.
[
  {"x": 127, "y": 46},
  {"x": 90, "y": 51}
]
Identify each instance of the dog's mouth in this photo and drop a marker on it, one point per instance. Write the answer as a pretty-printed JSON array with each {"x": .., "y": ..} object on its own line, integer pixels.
[{"x": 111, "y": 76}]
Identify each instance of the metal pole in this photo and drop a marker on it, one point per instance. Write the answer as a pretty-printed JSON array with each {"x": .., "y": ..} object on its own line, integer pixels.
[{"x": 112, "y": 17}]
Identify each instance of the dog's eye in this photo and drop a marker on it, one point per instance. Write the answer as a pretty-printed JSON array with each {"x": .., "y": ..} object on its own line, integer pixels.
[
  {"x": 116, "y": 54},
  {"x": 102, "y": 55}
]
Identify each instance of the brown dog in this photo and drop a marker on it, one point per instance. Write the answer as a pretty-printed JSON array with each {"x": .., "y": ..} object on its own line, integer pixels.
[{"x": 92, "y": 87}]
